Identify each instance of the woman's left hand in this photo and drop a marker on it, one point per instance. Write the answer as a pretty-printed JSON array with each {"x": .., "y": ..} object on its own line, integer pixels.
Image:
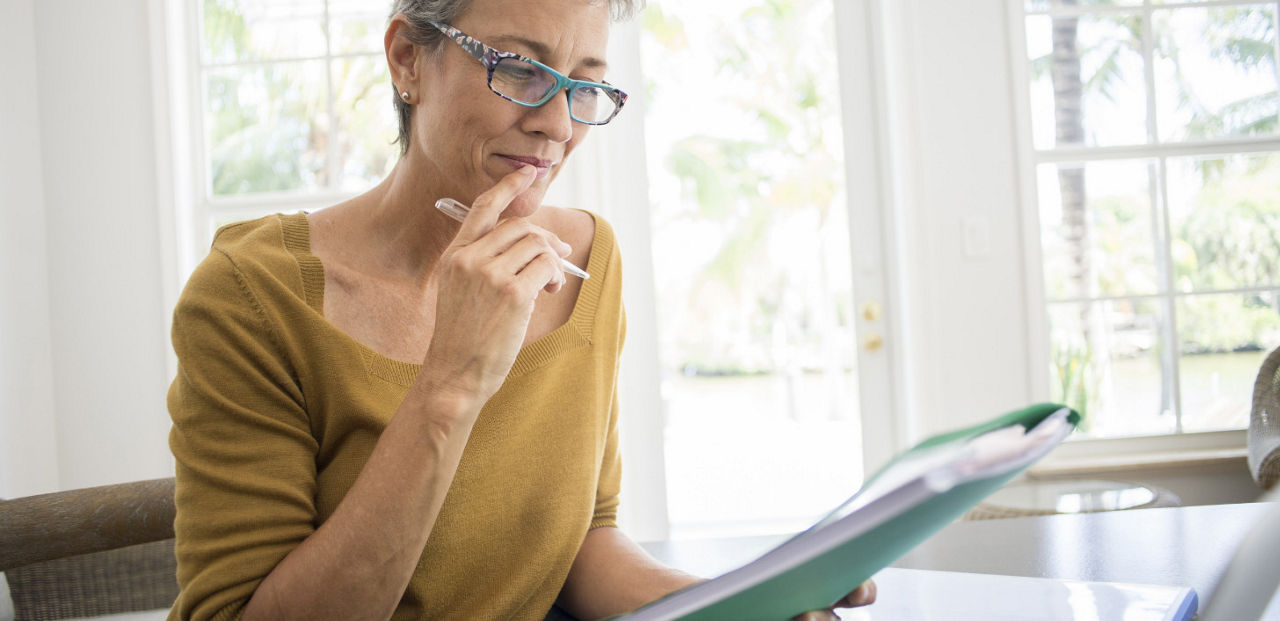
[{"x": 861, "y": 596}]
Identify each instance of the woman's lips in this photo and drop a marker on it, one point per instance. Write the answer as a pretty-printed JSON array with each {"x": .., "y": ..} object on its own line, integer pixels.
[{"x": 518, "y": 161}]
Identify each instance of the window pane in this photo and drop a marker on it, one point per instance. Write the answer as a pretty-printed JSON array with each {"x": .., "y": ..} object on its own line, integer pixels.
[
  {"x": 366, "y": 121},
  {"x": 240, "y": 30},
  {"x": 1097, "y": 229},
  {"x": 1087, "y": 84},
  {"x": 751, "y": 252},
  {"x": 1225, "y": 218},
  {"x": 266, "y": 128},
  {"x": 733, "y": 436},
  {"x": 1105, "y": 362},
  {"x": 1223, "y": 340},
  {"x": 1043, "y": 5},
  {"x": 1216, "y": 72},
  {"x": 357, "y": 25}
]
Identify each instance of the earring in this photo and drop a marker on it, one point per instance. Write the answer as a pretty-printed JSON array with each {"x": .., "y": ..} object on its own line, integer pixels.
[{"x": 405, "y": 96}]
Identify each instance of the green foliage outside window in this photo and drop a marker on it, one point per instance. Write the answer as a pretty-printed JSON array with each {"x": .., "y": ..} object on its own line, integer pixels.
[
  {"x": 292, "y": 103},
  {"x": 1216, "y": 77},
  {"x": 753, "y": 184}
]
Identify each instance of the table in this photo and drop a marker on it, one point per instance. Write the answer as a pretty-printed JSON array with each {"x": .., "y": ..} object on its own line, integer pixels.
[
  {"x": 1176, "y": 546},
  {"x": 1050, "y": 496}
]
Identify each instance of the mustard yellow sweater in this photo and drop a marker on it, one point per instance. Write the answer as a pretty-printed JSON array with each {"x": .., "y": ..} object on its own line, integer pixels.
[{"x": 275, "y": 411}]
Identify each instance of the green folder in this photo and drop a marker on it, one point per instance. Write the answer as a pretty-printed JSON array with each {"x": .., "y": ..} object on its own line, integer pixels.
[{"x": 904, "y": 503}]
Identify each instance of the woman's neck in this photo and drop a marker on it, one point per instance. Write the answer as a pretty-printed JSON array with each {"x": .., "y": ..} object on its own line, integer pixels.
[{"x": 395, "y": 226}]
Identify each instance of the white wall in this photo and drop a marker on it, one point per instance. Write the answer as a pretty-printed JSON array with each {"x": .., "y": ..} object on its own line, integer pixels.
[
  {"x": 28, "y": 448},
  {"x": 83, "y": 318},
  {"x": 957, "y": 171},
  {"x": 85, "y": 377}
]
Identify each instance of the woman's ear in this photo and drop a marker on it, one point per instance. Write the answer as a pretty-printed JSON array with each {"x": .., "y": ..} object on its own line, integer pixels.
[{"x": 402, "y": 54}]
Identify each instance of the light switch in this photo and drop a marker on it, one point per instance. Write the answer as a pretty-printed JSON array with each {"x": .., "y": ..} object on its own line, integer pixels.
[{"x": 976, "y": 234}]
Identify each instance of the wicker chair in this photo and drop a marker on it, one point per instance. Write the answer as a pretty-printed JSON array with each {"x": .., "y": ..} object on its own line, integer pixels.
[
  {"x": 1160, "y": 497},
  {"x": 1264, "y": 423},
  {"x": 90, "y": 552},
  {"x": 95, "y": 551}
]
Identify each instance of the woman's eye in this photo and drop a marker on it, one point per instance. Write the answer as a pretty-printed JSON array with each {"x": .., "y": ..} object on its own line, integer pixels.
[{"x": 517, "y": 72}]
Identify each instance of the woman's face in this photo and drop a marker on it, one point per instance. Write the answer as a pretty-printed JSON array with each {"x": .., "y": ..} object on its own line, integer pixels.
[{"x": 466, "y": 136}]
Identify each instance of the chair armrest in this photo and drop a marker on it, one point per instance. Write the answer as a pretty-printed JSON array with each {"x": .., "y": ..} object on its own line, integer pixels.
[{"x": 69, "y": 523}]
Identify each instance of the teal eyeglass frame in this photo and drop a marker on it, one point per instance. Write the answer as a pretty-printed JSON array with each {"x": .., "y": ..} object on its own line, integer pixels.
[{"x": 490, "y": 57}]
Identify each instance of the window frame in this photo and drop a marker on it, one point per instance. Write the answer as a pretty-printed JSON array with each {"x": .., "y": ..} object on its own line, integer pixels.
[
  {"x": 598, "y": 177},
  {"x": 595, "y": 178},
  {"x": 592, "y": 177},
  {"x": 1161, "y": 447},
  {"x": 206, "y": 208}
]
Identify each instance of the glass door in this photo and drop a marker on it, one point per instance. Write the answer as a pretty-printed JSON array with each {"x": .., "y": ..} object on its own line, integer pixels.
[{"x": 750, "y": 237}]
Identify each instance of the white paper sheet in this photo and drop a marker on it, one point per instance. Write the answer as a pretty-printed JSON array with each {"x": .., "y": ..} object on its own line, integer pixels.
[{"x": 924, "y": 595}]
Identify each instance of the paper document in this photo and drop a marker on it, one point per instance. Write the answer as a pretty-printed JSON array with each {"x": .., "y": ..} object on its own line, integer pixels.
[
  {"x": 900, "y": 506},
  {"x": 923, "y": 595}
]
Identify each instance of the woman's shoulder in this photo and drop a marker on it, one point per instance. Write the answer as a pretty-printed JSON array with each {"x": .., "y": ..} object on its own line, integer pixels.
[
  {"x": 582, "y": 230},
  {"x": 253, "y": 252},
  {"x": 267, "y": 234}
]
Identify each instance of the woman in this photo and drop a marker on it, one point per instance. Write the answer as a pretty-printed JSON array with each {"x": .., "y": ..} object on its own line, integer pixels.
[{"x": 381, "y": 412}]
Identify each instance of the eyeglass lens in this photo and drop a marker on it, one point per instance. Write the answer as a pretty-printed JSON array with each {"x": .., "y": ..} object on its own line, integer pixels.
[{"x": 529, "y": 83}]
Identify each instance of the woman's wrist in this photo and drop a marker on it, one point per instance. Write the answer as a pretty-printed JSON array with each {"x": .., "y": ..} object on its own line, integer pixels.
[{"x": 441, "y": 409}]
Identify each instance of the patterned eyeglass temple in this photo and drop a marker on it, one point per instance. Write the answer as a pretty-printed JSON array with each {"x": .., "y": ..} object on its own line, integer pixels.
[{"x": 490, "y": 57}]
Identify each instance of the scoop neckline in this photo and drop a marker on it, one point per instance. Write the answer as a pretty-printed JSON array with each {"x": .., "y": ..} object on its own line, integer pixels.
[{"x": 575, "y": 332}]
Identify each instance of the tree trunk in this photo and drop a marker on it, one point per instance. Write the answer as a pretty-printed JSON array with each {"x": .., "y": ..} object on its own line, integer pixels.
[
  {"x": 1068, "y": 96},
  {"x": 1068, "y": 99}
]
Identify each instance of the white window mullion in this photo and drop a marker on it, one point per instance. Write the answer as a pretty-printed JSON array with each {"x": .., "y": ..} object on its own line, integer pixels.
[
  {"x": 1103, "y": 9},
  {"x": 1170, "y": 357},
  {"x": 1157, "y": 296},
  {"x": 1159, "y": 186},
  {"x": 1159, "y": 154},
  {"x": 1028, "y": 193},
  {"x": 243, "y": 64},
  {"x": 333, "y": 164},
  {"x": 1230, "y": 146},
  {"x": 174, "y": 155},
  {"x": 202, "y": 185},
  {"x": 1275, "y": 27},
  {"x": 1149, "y": 71}
]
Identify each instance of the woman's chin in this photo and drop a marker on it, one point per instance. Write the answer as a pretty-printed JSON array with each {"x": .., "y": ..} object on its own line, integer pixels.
[{"x": 526, "y": 203}]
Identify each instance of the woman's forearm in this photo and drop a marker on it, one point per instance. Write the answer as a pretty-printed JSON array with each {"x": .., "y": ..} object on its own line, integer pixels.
[
  {"x": 612, "y": 575},
  {"x": 357, "y": 564}
]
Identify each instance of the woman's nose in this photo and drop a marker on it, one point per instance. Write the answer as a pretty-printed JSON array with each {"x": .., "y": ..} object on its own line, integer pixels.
[{"x": 552, "y": 118}]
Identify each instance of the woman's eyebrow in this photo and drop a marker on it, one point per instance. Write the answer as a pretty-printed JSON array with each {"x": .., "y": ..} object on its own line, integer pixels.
[{"x": 541, "y": 50}]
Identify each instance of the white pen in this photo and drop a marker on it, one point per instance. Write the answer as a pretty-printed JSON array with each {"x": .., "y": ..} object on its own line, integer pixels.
[{"x": 458, "y": 211}]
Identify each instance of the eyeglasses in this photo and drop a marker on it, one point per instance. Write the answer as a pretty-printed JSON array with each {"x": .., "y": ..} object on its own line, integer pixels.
[{"x": 530, "y": 83}]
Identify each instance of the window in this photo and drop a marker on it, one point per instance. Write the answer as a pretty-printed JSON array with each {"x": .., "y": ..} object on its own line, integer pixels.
[
  {"x": 294, "y": 104},
  {"x": 1155, "y": 128},
  {"x": 750, "y": 225},
  {"x": 751, "y": 253}
]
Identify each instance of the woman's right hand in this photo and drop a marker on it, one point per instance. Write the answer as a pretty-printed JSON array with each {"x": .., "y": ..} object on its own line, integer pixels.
[{"x": 488, "y": 280}]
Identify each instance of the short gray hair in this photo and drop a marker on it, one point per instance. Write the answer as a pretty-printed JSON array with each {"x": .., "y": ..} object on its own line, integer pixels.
[{"x": 420, "y": 14}]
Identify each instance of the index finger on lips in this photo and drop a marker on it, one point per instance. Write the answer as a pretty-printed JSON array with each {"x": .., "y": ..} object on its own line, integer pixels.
[{"x": 489, "y": 205}]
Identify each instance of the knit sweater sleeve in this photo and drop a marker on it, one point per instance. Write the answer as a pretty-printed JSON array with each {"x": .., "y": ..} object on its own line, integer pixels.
[
  {"x": 609, "y": 484},
  {"x": 614, "y": 324},
  {"x": 245, "y": 454}
]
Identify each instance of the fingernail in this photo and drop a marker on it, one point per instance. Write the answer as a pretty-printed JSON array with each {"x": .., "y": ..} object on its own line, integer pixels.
[
  {"x": 528, "y": 170},
  {"x": 563, "y": 247}
]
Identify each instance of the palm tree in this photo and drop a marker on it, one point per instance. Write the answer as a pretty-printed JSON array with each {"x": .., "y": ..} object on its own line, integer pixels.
[
  {"x": 1068, "y": 104},
  {"x": 1246, "y": 47},
  {"x": 781, "y": 166}
]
